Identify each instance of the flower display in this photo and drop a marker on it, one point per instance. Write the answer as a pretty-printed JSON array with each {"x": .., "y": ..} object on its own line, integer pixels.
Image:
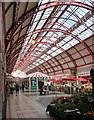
[{"x": 89, "y": 115}]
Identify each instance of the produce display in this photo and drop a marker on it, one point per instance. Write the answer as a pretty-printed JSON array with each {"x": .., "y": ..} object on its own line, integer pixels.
[{"x": 79, "y": 106}]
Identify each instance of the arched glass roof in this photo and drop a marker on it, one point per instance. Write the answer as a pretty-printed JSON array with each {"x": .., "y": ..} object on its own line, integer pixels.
[{"x": 61, "y": 31}]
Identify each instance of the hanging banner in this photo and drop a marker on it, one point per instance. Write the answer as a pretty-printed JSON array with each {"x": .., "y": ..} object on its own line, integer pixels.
[{"x": 33, "y": 83}]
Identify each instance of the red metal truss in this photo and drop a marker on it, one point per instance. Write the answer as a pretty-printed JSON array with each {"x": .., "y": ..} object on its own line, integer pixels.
[
  {"x": 14, "y": 50},
  {"x": 13, "y": 28},
  {"x": 51, "y": 4}
]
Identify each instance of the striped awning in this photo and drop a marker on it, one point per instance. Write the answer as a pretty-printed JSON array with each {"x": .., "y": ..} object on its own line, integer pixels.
[{"x": 38, "y": 74}]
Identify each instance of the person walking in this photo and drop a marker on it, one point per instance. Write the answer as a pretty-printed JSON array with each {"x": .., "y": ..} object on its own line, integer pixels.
[
  {"x": 11, "y": 88},
  {"x": 17, "y": 89},
  {"x": 22, "y": 87}
]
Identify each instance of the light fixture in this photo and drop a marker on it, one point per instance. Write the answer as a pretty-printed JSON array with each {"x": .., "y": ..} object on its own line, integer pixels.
[
  {"x": 61, "y": 62},
  {"x": 33, "y": 41},
  {"x": 57, "y": 44},
  {"x": 20, "y": 61}
]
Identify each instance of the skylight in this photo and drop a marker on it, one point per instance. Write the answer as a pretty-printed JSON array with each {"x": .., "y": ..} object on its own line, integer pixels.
[{"x": 49, "y": 28}]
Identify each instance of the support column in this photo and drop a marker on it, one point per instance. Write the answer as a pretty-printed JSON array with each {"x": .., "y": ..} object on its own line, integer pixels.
[
  {"x": 44, "y": 81},
  {"x": 37, "y": 82},
  {"x": 29, "y": 83},
  {"x": 73, "y": 74},
  {"x": 92, "y": 76},
  {"x": 0, "y": 60},
  {"x": 0, "y": 90},
  {"x": 87, "y": 79}
]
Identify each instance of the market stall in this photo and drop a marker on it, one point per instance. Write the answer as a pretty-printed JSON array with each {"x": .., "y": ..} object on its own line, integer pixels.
[{"x": 34, "y": 82}]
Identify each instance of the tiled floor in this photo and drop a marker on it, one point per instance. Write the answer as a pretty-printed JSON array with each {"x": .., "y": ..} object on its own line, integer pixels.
[
  {"x": 29, "y": 105},
  {"x": 0, "y": 115}
]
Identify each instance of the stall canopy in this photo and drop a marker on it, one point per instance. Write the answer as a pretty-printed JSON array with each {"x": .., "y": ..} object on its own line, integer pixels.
[
  {"x": 81, "y": 79},
  {"x": 59, "y": 80},
  {"x": 37, "y": 74},
  {"x": 69, "y": 78},
  {"x": 54, "y": 80}
]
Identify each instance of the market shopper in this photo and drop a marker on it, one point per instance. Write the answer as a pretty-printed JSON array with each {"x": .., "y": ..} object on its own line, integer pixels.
[
  {"x": 41, "y": 90},
  {"x": 17, "y": 89},
  {"x": 22, "y": 87},
  {"x": 11, "y": 88}
]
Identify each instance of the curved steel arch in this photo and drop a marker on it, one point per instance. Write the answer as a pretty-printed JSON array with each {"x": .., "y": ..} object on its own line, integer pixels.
[
  {"x": 13, "y": 28},
  {"x": 86, "y": 46},
  {"x": 43, "y": 19},
  {"x": 72, "y": 36},
  {"x": 38, "y": 67},
  {"x": 45, "y": 61},
  {"x": 44, "y": 6},
  {"x": 49, "y": 63},
  {"x": 62, "y": 31},
  {"x": 51, "y": 4}
]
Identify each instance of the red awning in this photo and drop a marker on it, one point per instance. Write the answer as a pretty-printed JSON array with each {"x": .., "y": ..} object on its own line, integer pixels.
[
  {"x": 81, "y": 79},
  {"x": 59, "y": 80},
  {"x": 54, "y": 80},
  {"x": 69, "y": 78}
]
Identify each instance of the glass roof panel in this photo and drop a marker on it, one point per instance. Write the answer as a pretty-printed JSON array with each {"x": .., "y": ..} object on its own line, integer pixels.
[
  {"x": 49, "y": 33},
  {"x": 62, "y": 28},
  {"x": 58, "y": 14},
  {"x": 73, "y": 42},
  {"x": 37, "y": 53},
  {"x": 38, "y": 49},
  {"x": 47, "y": 58},
  {"x": 61, "y": 43},
  {"x": 44, "y": 1},
  {"x": 67, "y": 38},
  {"x": 44, "y": 33},
  {"x": 81, "y": 37},
  {"x": 79, "y": 14},
  {"x": 43, "y": 56},
  {"x": 41, "y": 61},
  {"x": 37, "y": 64},
  {"x": 33, "y": 26},
  {"x": 55, "y": 26},
  {"x": 70, "y": 22},
  {"x": 38, "y": 15},
  {"x": 54, "y": 48},
  {"x": 59, "y": 34},
  {"x": 58, "y": 51},
  {"x": 41, "y": 23},
  {"x": 83, "y": 11},
  {"x": 47, "y": 12},
  {"x": 88, "y": 2},
  {"x": 67, "y": 25},
  {"x": 26, "y": 49},
  {"x": 45, "y": 40},
  {"x": 54, "y": 19},
  {"x": 53, "y": 38},
  {"x": 45, "y": 46},
  {"x": 49, "y": 26},
  {"x": 67, "y": 20},
  {"x": 73, "y": 18},
  {"x": 89, "y": 22},
  {"x": 54, "y": 54},
  {"x": 33, "y": 36},
  {"x": 66, "y": 46},
  {"x": 34, "y": 62},
  {"x": 86, "y": 34},
  {"x": 92, "y": 27},
  {"x": 50, "y": 51}
]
